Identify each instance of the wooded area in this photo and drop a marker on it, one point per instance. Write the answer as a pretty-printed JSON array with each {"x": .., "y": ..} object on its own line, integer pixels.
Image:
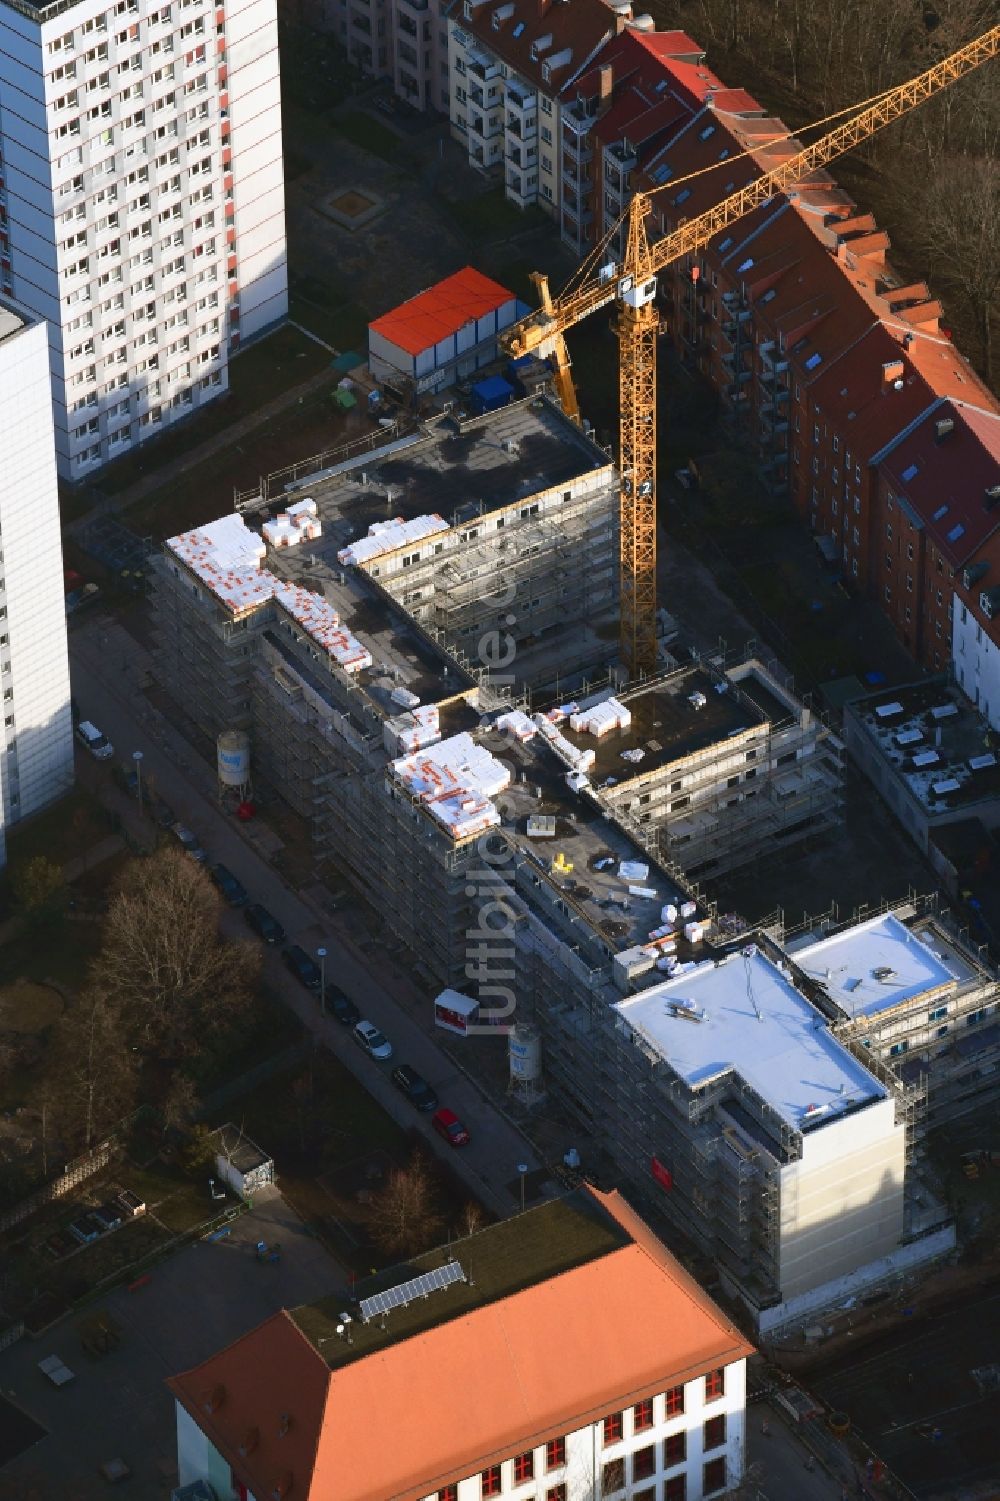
[{"x": 933, "y": 178}]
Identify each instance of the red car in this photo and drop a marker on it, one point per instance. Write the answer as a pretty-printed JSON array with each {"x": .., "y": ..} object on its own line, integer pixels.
[{"x": 447, "y": 1124}]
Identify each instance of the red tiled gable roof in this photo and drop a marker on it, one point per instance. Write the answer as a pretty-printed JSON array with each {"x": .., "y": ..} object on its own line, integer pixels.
[
  {"x": 944, "y": 475},
  {"x": 863, "y": 406},
  {"x": 670, "y": 44},
  {"x": 581, "y": 26},
  {"x": 541, "y": 1361},
  {"x": 441, "y": 311},
  {"x": 736, "y": 102}
]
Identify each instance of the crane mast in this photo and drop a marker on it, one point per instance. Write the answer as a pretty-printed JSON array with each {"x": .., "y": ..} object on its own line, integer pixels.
[{"x": 632, "y": 287}]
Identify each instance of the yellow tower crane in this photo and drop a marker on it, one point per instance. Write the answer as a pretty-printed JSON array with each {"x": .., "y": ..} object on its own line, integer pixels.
[{"x": 631, "y": 286}]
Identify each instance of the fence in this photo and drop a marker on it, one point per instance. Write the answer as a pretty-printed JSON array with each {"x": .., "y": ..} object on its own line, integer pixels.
[
  {"x": 81, "y": 1168},
  {"x": 73, "y": 1173}
]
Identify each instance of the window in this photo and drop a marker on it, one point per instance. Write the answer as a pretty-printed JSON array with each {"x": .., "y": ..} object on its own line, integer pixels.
[
  {"x": 555, "y": 1453},
  {"x": 490, "y": 1481},
  {"x": 675, "y": 1489},
  {"x": 524, "y": 1468},
  {"x": 612, "y": 1428},
  {"x": 675, "y": 1401},
  {"x": 938, "y": 1014},
  {"x": 715, "y": 1432},
  {"x": 715, "y": 1381},
  {"x": 675, "y": 1449},
  {"x": 613, "y": 1477},
  {"x": 644, "y": 1463},
  {"x": 556, "y": 1493},
  {"x": 642, "y": 1415},
  {"x": 449, "y": 1493},
  {"x": 714, "y": 1477}
]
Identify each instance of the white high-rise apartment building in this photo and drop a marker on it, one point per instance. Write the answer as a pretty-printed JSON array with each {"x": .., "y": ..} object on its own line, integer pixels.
[
  {"x": 141, "y": 203},
  {"x": 36, "y": 745}
]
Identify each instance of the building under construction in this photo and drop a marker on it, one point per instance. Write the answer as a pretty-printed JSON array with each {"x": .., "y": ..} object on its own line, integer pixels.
[{"x": 536, "y": 853}]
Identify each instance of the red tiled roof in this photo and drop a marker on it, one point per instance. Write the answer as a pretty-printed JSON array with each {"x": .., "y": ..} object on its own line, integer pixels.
[
  {"x": 581, "y": 26},
  {"x": 736, "y": 102},
  {"x": 864, "y": 408},
  {"x": 442, "y": 310},
  {"x": 540, "y": 1361},
  {"x": 944, "y": 476},
  {"x": 663, "y": 44}
]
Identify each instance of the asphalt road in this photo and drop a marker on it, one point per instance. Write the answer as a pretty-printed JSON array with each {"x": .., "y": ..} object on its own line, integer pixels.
[
  {"x": 916, "y": 1402},
  {"x": 107, "y": 665}
]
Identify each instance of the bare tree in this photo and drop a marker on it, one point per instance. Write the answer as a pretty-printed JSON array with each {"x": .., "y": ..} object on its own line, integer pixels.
[
  {"x": 472, "y": 1218},
  {"x": 405, "y": 1217},
  {"x": 163, "y": 961},
  {"x": 959, "y": 229},
  {"x": 96, "y": 1077}
]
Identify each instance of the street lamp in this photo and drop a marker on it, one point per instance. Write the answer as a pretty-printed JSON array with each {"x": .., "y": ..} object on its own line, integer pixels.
[
  {"x": 321, "y": 956},
  {"x": 137, "y": 758},
  {"x": 522, "y": 1168}
]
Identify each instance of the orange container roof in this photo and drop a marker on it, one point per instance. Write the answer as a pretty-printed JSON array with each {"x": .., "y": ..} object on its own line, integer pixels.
[{"x": 442, "y": 310}]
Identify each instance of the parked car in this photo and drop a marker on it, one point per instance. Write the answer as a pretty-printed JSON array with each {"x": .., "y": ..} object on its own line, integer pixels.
[
  {"x": 341, "y": 1007},
  {"x": 305, "y": 969},
  {"x": 92, "y": 740},
  {"x": 263, "y": 924},
  {"x": 162, "y": 812},
  {"x": 370, "y": 1038},
  {"x": 190, "y": 843},
  {"x": 129, "y": 780},
  {"x": 447, "y": 1124},
  {"x": 415, "y": 1087},
  {"x": 233, "y": 890}
]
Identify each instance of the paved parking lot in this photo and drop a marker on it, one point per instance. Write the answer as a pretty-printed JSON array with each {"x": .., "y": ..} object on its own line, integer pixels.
[{"x": 118, "y": 1407}]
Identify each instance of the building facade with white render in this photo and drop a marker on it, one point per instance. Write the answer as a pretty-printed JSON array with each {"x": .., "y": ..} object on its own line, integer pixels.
[
  {"x": 599, "y": 1367},
  {"x": 141, "y": 203},
  {"x": 36, "y": 745}
]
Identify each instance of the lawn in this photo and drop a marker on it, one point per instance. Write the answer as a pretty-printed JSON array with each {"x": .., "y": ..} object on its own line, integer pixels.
[
  {"x": 60, "y": 833},
  {"x": 485, "y": 217},
  {"x": 364, "y": 130},
  {"x": 330, "y": 311},
  {"x": 277, "y": 363}
]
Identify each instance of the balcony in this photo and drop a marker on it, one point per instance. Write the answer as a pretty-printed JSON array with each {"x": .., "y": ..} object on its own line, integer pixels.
[
  {"x": 519, "y": 98},
  {"x": 575, "y": 154},
  {"x": 577, "y": 176},
  {"x": 522, "y": 157},
  {"x": 485, "y": 129},
  {"x": 624, "y": 154}
]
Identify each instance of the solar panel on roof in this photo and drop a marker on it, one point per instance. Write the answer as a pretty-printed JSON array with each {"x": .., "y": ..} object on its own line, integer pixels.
[{"x": 406, "y": 1292}]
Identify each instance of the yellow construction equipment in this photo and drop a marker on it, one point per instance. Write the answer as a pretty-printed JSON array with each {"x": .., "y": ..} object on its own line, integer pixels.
[{"x": 631, "y": 286}]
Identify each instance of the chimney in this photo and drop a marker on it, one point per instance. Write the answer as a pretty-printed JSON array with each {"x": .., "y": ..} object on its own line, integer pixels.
[
  {"x": 605, "y": 83},
  {"x": 544, "y": 6},
  {"x": 942, "y": 427},
  {"x": 892, "y": 376}
]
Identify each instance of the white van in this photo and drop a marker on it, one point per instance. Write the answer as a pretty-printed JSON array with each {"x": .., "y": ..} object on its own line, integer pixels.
[{"x": 91, "y": 739}]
